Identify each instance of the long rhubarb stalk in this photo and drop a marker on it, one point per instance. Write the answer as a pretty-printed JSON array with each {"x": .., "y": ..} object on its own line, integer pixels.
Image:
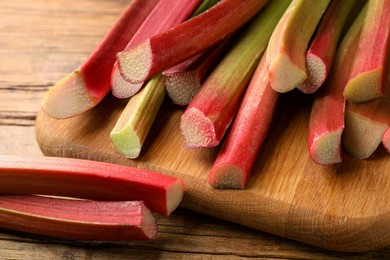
[
  {"x": 288, "y": 44},
  {"x": 365, "y": 125},
  {"x": 78, "y": 219},
  {"x": 319, "y": 57},
  {"x": 133, "y": 125},
  {"x": 167, "y": 14},
  {"x": 194, "y": 36},
  {"x": 184, "y": 80},
  {"x": 89, "y": 180},
  {"x": 326, "y": 123},
  {"x": 207, "y": 117},
  {"x": 85, "y": 87},
  {"x": 371, "y": 68},
  {"x": 235, "y": 160}
]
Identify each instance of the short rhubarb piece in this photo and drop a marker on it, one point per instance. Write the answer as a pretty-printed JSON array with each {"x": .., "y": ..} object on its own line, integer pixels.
[
  {"x": 326, "y": 123},
  {"x": 188, "y": 39},
  {"x": 86, "y": 179},
  {"x": 166, "y": 14},
  {"x": 184, "y": 80},
  {"x": 386, "y": 140},
  {"x": 133, "y": 125},
  {"x": 365, "y": 126},
  {"x": 235, "y": 160},
  {"x": 78, "y": 219},
  {"x": 319, "y": 57},
  {"x": 210, "y": 113},
  {"x": 286, "y": 54},
  {"x": 371, "y": 68},
  {"x": 85, "y": 87}
]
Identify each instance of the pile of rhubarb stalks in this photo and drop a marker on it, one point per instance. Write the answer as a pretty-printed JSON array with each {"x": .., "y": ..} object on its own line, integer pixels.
[{"x": 227, "y": 62}]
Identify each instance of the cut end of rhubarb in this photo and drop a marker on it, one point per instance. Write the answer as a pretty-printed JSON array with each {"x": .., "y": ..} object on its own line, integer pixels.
[
  {"x": 197, "y": 129},
  {"x": 68, "y": 98},
  {"x": 227, "y": 176},
  {"x": 326, "y": 149},
  {"x": 182, "y": 87},
  {"x": 148, "y": 223},
  {"x": 284, "y": 75},
  {"x": 175, "y": 195},
  {"x": 122, "y": 88},
  {"x": 135, "y": 64},
  {"x": 316, "y": 74},
  {"x": 364, "y": 87},
  {"x": 361, "y": 136},
  {"x": 126, "y": 142}
]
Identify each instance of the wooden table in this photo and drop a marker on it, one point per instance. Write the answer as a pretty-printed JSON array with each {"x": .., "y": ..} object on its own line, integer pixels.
[{"x": 41, "y": 41}]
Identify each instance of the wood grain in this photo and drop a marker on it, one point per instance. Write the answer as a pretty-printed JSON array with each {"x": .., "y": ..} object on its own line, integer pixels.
[{"x": 43, "y": 40}]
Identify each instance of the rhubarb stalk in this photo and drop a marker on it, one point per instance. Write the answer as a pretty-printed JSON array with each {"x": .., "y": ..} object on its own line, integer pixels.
[
  {"x": 288, "y": 44},
  {"x": 78, "y": 219},
  {"x": 207, "y": 117},
  {"x": 326, "y": 123},
  {"x": 235, "y": 160},
  {"x": 191, "y": 37},
  {"x": 371, "y": 68},
  {"x": 89, "y": 180},
  {"x": 167, "y": 14},
  {"x": 133, "y": 125},
  {"x": 386, "y": 140},
  {"x": 85, "y": 87},
  {"x": 319, "y": 57}
]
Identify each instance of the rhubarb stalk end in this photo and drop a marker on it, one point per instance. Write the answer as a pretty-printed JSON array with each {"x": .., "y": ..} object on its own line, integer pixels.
[
  {"x": 325, "y": 150},
  {"x": 364, "y": 87},
  {"x": 227, "y": 176}
]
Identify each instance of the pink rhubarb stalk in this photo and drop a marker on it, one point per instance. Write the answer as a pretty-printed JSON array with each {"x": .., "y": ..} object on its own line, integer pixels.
[
  {"x": 365, "y": 125},
  {"x": 210, "y": 113},
  {"x": 371, "y": 68},
  {"x": 78, "y": 219},
  {"x": 85, "y": 87},
  {"x": 289, "y": 42},
  {"x": 235, "y": 160},
  {"x": 183, "y": 81},
  {"x": 386, "y": 140},
  {"x": 319, "y": 57},
  {"x": 326, "y": 123},
  {"x": 89, "y": 180},
  {"x": 191, "y": 37},
  {"x": 167, "y": 14}
]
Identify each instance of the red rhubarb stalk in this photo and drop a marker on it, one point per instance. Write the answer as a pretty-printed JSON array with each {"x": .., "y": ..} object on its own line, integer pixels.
[
  {"x": 371, "y": 68},
  {"x": 167, "y": 14},
  {"x": 235, "y": 160},
  {"x": 184, "y": 80},
  {"x": 319, "y": 57},
  {"x": 386, "y": 140},
  {"x": 326, "y": 123},
  {"x": 78, "y": 219},
  {"x": 192, "y": 37},
  {"x": 210, "y": 113},
  {"x": 89, "y": 180},
  {"x": 85, "y": 87}
]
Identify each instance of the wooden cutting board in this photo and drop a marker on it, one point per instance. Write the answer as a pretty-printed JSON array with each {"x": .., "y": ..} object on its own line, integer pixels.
[{"x": 343, "y": 207}]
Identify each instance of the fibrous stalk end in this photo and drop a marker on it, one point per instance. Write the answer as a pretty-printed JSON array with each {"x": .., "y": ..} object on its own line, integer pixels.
[
  {"x": 181, "y": 87},
  {"x": 227, "y": 176},
  {"x": 175, "y": 195},
  {"x": 364, "y": 87},
  {"x": 326, "y": 149},
  {"x": 126, "y": 142},
  {"x": 122, "y": 88},
  {"x": 316, "y": 74}
]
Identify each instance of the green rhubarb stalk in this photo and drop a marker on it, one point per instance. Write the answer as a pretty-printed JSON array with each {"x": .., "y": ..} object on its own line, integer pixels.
[
  {"x": 133, "y": 125},
  {"x": 207, "y": 117},
  {"x": 78, "y": 219},
  {"x": 288, "y": 45}
]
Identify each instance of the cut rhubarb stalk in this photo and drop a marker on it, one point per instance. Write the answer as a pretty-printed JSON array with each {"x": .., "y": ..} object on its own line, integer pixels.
[
  {"x": 89, "y": 180},
  {"x": 210, "y": 113},
  {"x": 235, "y": 160},
  {"x": 191, "y": 37},
  {"x": 319, "y": 57},
  {"x": 288, "y": 44},
  {"x": 167, "y": 14},
  {"x": 134, "y": 123},
  {"x": 85, "y": 87},
  {"x": 371, "y": 67},
  {"x": 386, "y": 140},
  {"x": 365, "y": 125},
  {"x": 326, "y": 123},
  {"x": 183, "y": 81},
  {"x": 78, "y": 219}
]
